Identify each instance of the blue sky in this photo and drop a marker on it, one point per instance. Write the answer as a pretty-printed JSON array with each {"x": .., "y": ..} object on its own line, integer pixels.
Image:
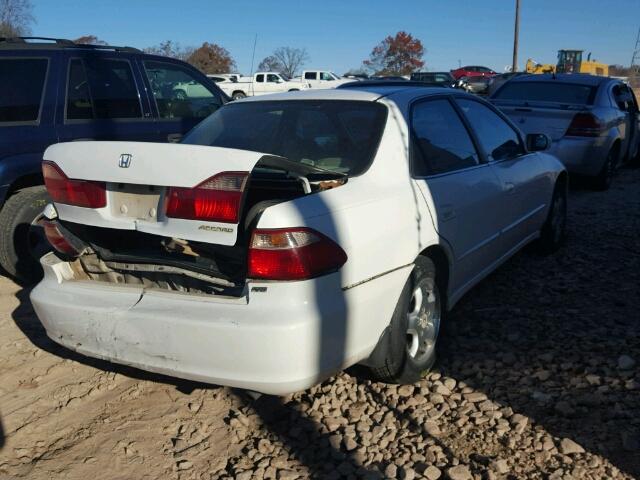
[{"x": 338, "y": 35}]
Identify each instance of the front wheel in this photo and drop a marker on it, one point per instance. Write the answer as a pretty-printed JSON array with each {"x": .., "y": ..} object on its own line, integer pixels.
[{"x": 413, "y": 331}]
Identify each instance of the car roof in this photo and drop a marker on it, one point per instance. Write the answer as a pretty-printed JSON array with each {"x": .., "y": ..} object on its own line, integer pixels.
[
  {"x": 367, "y": 92},
  {"x": 575, "y": 78}
]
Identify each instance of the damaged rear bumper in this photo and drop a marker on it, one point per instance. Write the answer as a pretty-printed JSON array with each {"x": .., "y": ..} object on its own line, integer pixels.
[{"x": 278, "y": 338}]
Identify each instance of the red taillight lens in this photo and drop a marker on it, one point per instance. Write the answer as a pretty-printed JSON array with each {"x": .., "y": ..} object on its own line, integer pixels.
[
  {"x": 80, "y": 193},
  {"x": 217, "y": 199},
  {"x": 57, "y": 240},
  {"x": 292, "y": 254},
  {"x": 584, "y": 125}
]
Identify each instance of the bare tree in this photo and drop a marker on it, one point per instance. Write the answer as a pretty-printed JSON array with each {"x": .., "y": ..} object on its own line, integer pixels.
[
  {"x": 291, "y": 59},
  {"x": 270, "y": 64},
  {"x": 16, "y": 17},
  {"x": 170, "y": 49}
]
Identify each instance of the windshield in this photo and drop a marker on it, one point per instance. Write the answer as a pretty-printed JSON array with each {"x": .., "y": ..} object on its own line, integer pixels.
[
  {"x": 337, "y": 77},
  {"x": 339, "y": 136},
  {"x": 284, "y": 77},
  {"x": 570, "y": 93}
]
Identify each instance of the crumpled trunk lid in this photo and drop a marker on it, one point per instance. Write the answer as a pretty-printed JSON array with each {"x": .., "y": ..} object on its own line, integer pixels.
[{"x": 137, "y": 176}]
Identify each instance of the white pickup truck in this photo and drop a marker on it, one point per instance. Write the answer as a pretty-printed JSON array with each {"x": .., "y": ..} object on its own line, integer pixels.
[
  {"x": 260, "y": 84},
  {"x": 322, "y": 79}
]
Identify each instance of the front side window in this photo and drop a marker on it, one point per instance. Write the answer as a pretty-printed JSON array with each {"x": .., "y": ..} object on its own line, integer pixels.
[
  {"x": 441, "y": 142},
  {"x": 498, "y": 139},
  {"x": 22, "y": 81},
  {"x": 273, "y": 78},
  {"x": 339, "y": 136},
  {"x": 326, "y": 76},
  {"x": 99, "y": 88},
  {"x": 178, "y": 93}
]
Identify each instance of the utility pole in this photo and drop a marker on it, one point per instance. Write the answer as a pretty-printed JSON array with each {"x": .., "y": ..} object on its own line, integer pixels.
[
  {"x": 516, "y": 32},
  {"x": 635, "y": 60}
]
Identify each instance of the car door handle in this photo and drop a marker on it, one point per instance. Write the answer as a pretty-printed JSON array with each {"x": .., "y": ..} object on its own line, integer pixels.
[
  {"x": 509, "y": 187},
  {"x": 174, "y": 137}
]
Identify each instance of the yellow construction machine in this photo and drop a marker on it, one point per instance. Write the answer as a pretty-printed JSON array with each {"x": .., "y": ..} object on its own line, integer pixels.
[{"x": 570, "y": 61}]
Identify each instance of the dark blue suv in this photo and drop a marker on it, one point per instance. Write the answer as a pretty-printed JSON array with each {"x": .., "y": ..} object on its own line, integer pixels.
[{"x": 54, "y": 90}]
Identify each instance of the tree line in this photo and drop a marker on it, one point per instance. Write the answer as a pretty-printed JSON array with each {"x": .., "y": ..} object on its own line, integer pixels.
[{"x": 395, "y": 55}]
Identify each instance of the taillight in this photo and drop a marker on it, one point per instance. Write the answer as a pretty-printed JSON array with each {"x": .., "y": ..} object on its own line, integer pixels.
[
  {"x": 292, "y": 254},
  {"x": 56, "y": 238},
  {"x": 79, "y": 193},
  {"x": 217, "y": 199},
  {"x": 584, "y": 125}
]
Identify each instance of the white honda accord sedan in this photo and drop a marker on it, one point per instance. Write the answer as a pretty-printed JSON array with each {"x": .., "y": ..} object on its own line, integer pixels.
[{"x": 291, "y": 236}]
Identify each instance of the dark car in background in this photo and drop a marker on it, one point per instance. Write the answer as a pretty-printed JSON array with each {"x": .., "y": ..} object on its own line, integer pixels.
[
  {"x": 477, "y": 85},
  {"x": 472, "y": 71},
  {"x": 497, "y": 81},
  {"x": 444, "y": 79},
  {"x": 593, "y": 122},
  {"x": 54, "y": 90}
]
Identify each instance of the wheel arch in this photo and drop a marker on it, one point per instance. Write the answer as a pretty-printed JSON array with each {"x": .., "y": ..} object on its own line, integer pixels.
[
  {"x": 441, "y": 259},
  {"x": 24, "y": 181}
]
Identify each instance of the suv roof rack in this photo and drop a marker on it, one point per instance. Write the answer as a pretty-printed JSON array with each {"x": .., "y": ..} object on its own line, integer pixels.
[
  {"x": 388, "y": 83},
  {"x": 52, "y": 43}
]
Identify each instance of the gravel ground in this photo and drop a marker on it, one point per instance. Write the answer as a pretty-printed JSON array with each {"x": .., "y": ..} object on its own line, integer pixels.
[{"x": 538, "y": 377}]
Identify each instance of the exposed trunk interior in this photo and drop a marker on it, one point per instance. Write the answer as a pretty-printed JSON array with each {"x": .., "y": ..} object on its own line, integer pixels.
[{"x": 133, "y": 257}]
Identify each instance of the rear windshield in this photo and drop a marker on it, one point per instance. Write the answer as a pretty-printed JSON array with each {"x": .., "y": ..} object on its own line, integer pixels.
[
  {"x": 339, "y": 136},
  {"x": 547, "y": 92}
]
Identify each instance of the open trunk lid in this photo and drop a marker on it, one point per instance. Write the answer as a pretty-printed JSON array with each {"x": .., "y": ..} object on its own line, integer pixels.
[{"x": 141, "y": 179}]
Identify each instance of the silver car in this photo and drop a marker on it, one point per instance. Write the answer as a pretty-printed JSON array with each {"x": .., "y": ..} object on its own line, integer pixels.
[{"x": 593, "y": 122}]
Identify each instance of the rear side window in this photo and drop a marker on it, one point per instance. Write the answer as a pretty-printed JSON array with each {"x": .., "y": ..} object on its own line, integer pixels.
[
  {"x": 569, "y": 93},
  {"x": 441, "y": 142},
  {"x": 101, "y": 89},
  {"x": 21, "y": 88},
  {"x": 309, "y": 75}
]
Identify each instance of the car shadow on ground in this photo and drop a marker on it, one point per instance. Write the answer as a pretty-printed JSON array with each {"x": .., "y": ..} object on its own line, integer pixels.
[
  {"x": 1, "y": 435},
  {"x": 547, "y": 345}
]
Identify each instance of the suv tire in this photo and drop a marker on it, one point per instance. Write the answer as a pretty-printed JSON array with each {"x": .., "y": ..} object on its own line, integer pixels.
[{"x": 22, "y": 242}]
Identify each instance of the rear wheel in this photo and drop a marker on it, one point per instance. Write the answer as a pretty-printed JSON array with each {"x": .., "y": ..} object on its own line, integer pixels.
[
  {"x": 554, "y": 230},
  {"x": 603, "y": 180},
  {"x": 413, "y": 331},
  {"x": 22, "y": 240},
  {"x": 238, "y": 95}
]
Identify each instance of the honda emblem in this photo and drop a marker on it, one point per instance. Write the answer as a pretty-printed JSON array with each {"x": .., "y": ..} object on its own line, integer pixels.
[{"x": 125, "y": 160}]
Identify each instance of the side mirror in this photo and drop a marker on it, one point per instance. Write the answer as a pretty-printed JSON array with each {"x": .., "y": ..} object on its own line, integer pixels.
[{"x": 537, "y": 142}]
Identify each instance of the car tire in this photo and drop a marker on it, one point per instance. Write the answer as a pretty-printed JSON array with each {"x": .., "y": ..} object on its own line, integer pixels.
[
  {"x": 554, "y": 230},
  {"x": 413, "y": 331},
  {"x": 22, "y": 242},
  {"x": 238, "y": 95},
  {"x": 602, "y": 181}
]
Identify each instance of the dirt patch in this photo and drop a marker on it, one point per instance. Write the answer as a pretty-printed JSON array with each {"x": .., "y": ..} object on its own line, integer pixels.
[{"x": 538, "y": 378}]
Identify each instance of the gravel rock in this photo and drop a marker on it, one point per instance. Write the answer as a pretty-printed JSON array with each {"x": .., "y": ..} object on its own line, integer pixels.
[
  {"x": 459, "y": 472},
  {"x": 568, "y": 446},
  {"x": 432, "y": 473},
  {"x": 625, "y": 362},
  {"x": 391, "y": 471}
]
